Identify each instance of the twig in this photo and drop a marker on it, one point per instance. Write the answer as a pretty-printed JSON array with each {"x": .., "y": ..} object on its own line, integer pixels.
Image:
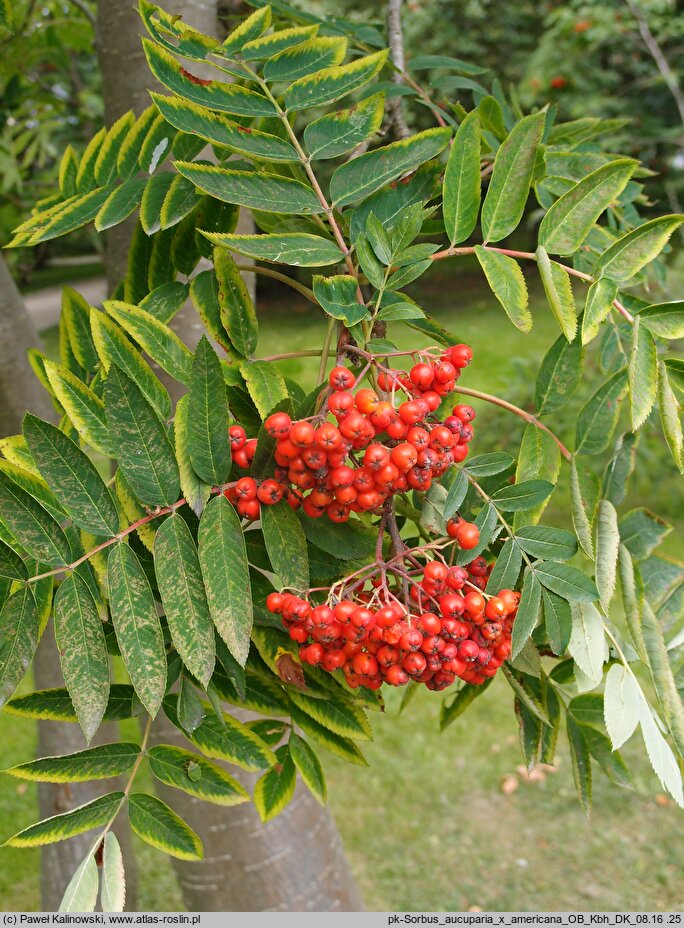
[
  {"x": 150, "y": 517},
  {"x": 85, "y": 9},
  {"x": 527, "y": 416},
  {"x": 658, "y": 56}
]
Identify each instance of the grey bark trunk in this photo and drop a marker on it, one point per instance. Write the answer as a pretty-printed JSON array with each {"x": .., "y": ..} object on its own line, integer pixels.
[
  {"x": 19, "y": 391},
  {"x": 294, "y": 863}
]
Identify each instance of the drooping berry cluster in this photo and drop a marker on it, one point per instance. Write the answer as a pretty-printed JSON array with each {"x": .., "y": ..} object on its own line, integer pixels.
[
  {"x": 374, "y": 449},
  {"x": 449, "y": 632}
]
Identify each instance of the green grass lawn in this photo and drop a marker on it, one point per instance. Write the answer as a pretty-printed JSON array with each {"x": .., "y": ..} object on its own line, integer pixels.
[{"x": 444, "y": 822}]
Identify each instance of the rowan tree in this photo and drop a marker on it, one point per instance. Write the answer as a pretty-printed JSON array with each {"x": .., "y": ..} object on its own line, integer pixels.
[{"x": 294, "y": 553}]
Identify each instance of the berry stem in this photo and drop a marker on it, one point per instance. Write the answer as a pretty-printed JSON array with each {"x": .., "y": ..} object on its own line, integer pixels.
[
  {"x": 150, "y": 517},
  {"x": 527, "y": 416}
]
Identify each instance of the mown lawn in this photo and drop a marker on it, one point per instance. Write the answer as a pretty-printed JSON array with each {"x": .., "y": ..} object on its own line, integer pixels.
[{"x": 444, "y": 822}]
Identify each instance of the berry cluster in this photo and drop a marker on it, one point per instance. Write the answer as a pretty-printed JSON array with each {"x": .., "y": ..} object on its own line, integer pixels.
[
  {"x": 450, "y": 632},
  {"x": 373, "y": 450}
]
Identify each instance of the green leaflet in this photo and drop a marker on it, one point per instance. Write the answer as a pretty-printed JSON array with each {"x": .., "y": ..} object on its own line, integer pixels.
[
  {"x": 342, "y": 718},
  {"x": 558, "y": 291},
  {"x": 309, "y": 766},
  {"x": 597, "y": 307},
  {"x": 72, "y": 476},
  {"x": 195, "y": 775},
  {"x": 114, "y": 347},
  {"x": 331, "y": 84},
  {"x": 11, "y": 565},
  {"x": 581, "y": 762},
  {"x": 629, "y": 254},
  {"x": 340, "y": 132},
  {"x": 568, "y": 222},
  {"x": 75, "y": 212},
  {"x": 265, "y": 385},
  {"x": 461, "y": 191},
  {"x": 342, "y": 747},
  {"x": 223, "y": 559},
  {"x": 559, "y": 375},
  {"x": 161, "y": 25},
  {"x": 664, "y": 319},
  {"x": 253, "y": 189},
  {"x": 98, "y": 763},
  {"x": 362, "y": 176},
  {"x": 182, "y": 592},
  {"x": 235, "y": 305},
  {"x": 33, "y": 526},
  {"x": 180, "y": 200},
  {"x": 286, "y": 545},
  {"x": 507, "y": 568},
  {"x": 510, "y": 182},
  {"x": 250, "y": 28},
  {"x": 670, "y": 418},
  {"x": 195, "y": 491},
  {"x": 120, "y": 203},
  {"x": 567, "y": 581},
  {"x": 505, "y": 277},
  {"x": 539, "y": 458},
  {"x": 607, "y": 546},
  {"x": 36, "y": 487},
  {"x": 227, "y": 739},
  {"x": 137, "y": 626},
  {"x": 159, "y": 341},
  {"x": 597, "y": 419},
  {"x": 338, "y": 297},
  {"x": 158, "y": 825},
  {"x": 207, "y": 422},
  {"x": 275, "y": 42},
  {"x": 155, "y": 193},
  {"x": 85, "y": 410},
  {"x": 113, "y": 878},
  {"x": 19, "y": 635},
  {"x": 59, "y": 827},
  {"x": 127, "y": 159},
  {"x": 145, "y": 452},
  {"x": 85, "y": 176},
  {"x": 557, "y": 621},
  {"x": 528, "y": 612},
  {"x": 642, "y": 531},
  {"x": 83, "y": 652},
  {"x": 552, "y": 544},
  {"x": 299, "y": 249},
  {"x": 196, "y": 120},
  {"x": 76, "y": 315},
  {"x": 522, "y": 496},
  {"x": 81, "y": 892},
  {"x": 55, "y": 704},
  {"x": 216, "y": 95},
  {"x": 276, "y": 787},
  {"x": 643, "y": 373},
  {"x": 308, "y": 57}
]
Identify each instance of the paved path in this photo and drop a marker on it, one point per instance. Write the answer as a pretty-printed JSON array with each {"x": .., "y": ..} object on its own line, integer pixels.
[{"x": 44, "y": 305}]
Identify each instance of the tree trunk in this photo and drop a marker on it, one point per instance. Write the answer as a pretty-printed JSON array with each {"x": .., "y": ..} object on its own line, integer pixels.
[
  {"x": 19, "y": 387},
  {"x": 294, "y": 863},
  {"x": 19, "y": 391}
]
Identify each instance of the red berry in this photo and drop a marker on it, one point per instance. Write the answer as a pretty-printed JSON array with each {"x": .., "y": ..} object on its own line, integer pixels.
[{"x": 341, "y": 379}]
